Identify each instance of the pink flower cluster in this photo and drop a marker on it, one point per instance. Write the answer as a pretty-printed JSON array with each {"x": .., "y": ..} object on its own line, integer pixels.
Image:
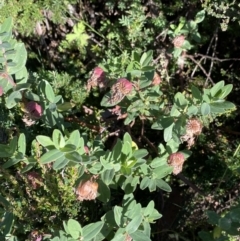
[
  {"x": 120, "y": 89},
  {"x": 176, "y": 160},
  {"x": 178, "y": 41},
  {"x": 33, "y": 109},
  {"x": 97, "y": 79}
]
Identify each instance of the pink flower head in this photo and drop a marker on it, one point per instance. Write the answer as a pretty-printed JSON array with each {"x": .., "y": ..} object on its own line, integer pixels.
[
  {"x": 97, "y": 79},
  {"x": 156, "y": 79},
  {"x": 34, "y": 110},
  {"x": 125, "y": 86},
  {"x": 86, "y": 149},
  {"x": 98, "y": 72},
  {"x": 176, "y": 160},
  {"x": 178, "y": 41},
  {"x": 120, "y": 89}
]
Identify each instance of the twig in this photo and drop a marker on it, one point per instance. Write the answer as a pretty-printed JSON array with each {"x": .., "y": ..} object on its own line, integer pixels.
[
  {"x": 194, "y": 70},
  {"x": 216, "y": 59},
  {"x": 189, "y": 183},
  {"x": 209, "y": 46},
  {"x": 84, "y": 124},
  {"x": 213, "y": 55},
  {"x": 200, "y": 66}
]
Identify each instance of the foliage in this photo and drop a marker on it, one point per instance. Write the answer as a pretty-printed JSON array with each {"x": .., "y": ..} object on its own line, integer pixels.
[{"x": 92, "y": 155}]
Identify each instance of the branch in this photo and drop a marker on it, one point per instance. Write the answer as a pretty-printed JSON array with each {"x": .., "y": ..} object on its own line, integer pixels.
[
  {"x": 215, "y": 58},
  {"x": 213, "y": 55},
  {"x": 189, "y": 183},
  {"x": 200, "y": 66}
]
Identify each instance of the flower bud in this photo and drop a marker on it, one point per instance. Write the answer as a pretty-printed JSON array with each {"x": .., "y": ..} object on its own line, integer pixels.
[
  {"x": 156, "y": 79},
  {"x": 97, "y": 79},
  {"x": 33, "y": 109},
  {"x": 178, "y": 41}
]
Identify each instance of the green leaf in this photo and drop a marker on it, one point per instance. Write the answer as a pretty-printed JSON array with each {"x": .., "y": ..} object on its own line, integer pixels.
[
  {"x": 159, "y": 161},
  {"x": 118, "y": 215},
  {"x": 28, "y": 167},
  {"x": 213, "y": 217},
  {"x": 5, "y": 151},
  {"x": 74, "y": 156},
  {"x": 145, "y": 183},
  {"x": 206, "y": 236},
  {"x": 225, "y": 223},
  {"x": 154, "y": 216},
  {"x": 65, "y": 106},
  {"x": 48, "y": 91},
  {"x": 196, "y": 93},
  {"x": 22, "y": 143},
  {"x": 180, "y": 101},
  {"x": 60, "y": 163},
  {"x": 6, "y": 26},
  {"x": 225, "y": 91},
  {"x": 45, "y": 141},
  {"x": 13, "y": 99},
  {"x": 143, "y": 84},
  {"x": 57, "y": 99},
  {"x": 31, "y": 96},
  {"x": 139, "y": 236},
  {"x": 140, "y": 153},
  {"x": 106, "y": 100},
  {"x": 117, "y": 149},
  {"x": 192, "y": 110},
  {"x": 68, "y": 148},
  {"x": 134, "y": 224},
  {"x": 4, "y": 201},
  {"x": 104, "y": 192},
  {"x": 149, "y": 209},
  {"x": 19, "y": 59},
  {"x": 23, "y": 86},
  {"x": 163, "y": 185},
  {"x": 107, "y": 176},
  {"x": 152, "y": 185},
  {"x": 7, "y": 222},
  {"x": 167, "y": 134},
  {"x": 162, "y": 171},
  {"x": 148, "y": 69},
  {"x": 74, "y": 138},
  {"x": 74, "y": 228},
  {"x": 205, "y": 109},
  {"x": 91, "y": 230},
  {"x": 216, "y": 89},
  {"x": 13, "y": 144},
  {"x": 146, "y": 58},
  {"x": 58, "y": 138},
  {"x": 200, "y": 16},
  {"x": 22, "y": 75},
  {"x": 51, "y": 156},
  {"x": 11, "y": 162},
  {"x": 221, "y": 107}
]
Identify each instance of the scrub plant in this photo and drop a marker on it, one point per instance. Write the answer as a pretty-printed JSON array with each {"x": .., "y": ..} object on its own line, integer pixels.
[{"x": 56, "y": 169}]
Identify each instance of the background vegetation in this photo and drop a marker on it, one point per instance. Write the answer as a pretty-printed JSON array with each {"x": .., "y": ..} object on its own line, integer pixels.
[{"x": 65, "y": 41}]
